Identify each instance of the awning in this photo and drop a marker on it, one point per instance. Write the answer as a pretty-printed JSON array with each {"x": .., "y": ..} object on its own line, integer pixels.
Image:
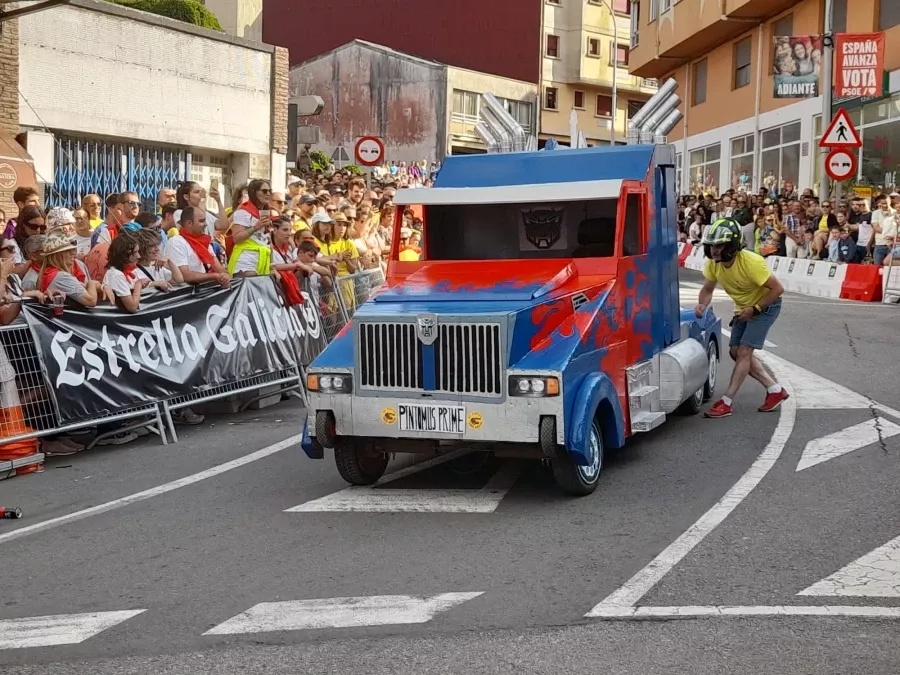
[{"x": 16, "y": 166}]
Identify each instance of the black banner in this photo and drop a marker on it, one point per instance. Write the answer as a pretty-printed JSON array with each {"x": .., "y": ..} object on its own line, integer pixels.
[{"x": 103, "y": 360}]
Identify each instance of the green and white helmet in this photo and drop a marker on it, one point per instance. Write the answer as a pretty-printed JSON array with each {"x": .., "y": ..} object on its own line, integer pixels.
[{"x": 723, "y": 232}]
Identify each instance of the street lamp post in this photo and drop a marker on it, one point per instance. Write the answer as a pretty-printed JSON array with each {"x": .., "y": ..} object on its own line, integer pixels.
[
  {"x": 826, "y": 82},
  {"x": 615, "y": 65}
]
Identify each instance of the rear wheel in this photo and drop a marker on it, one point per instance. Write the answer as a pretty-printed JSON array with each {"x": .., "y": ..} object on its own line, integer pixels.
[
  {"x": 358, "y": 461},
  {"x": 712, "y": 354},
  {"x": 575, "y": 479}
]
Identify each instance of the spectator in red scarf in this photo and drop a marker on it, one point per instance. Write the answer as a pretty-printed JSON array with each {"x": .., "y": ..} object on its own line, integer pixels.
[
  {"x": 62, "y": 274},
  {"x": 192, "y": 250},
  {"x": 284, "y": 262}
]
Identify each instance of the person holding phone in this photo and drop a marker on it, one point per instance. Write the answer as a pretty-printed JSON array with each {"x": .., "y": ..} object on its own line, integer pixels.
[{"x": 251, "y": 230}]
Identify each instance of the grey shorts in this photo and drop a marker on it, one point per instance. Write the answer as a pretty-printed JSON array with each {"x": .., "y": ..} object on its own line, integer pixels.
[{"x": 753, "y": 333}]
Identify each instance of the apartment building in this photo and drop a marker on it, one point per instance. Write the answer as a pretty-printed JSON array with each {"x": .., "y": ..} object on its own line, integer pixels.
[
  {"x": 586, "y": 54},
  {"x": 735, "y": 131}
]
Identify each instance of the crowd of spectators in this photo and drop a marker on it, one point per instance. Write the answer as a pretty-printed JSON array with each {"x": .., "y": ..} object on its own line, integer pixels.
[
  {"x": 110, "y": 250},
  {"x": 800, "y": 225}
]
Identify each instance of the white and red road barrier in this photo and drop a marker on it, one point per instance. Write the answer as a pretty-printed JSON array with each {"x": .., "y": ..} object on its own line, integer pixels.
[{"x": 818, "y": 278}]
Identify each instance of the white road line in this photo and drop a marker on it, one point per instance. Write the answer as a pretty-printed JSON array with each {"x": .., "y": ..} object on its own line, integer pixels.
[
  {"x": 723, "y": 611},
  {"x": 642, "y": 582},
  {"x": 382, "y": 500},
  {"x": 376, "y": 610},
  {"x": 874, "y": 575},
  {"x": 814, "y": 392},
  {"x": 58, "y": 629},
  {"x": 766, "y": 344},
  {"x": 152, "y": 492},
  {"x": 845, "y": 441}
]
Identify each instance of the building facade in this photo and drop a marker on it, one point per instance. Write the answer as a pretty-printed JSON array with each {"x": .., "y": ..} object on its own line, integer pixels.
[
  {"x": 177, "y": 102},
  {"x": 501, "y": 37},
  {"x": 736, "y": 132},
  {"x": 585, "y": 50},
  {"x": 421, "y": 109}
]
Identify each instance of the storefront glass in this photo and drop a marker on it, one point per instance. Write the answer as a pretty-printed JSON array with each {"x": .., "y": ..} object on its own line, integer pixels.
[
  {"x": 780, "y": 158},
  {"x": 742, "y": 163},
  {"x": 679, "y": 167},
  {"x": 880, "y": 155},
  {"x": 705, "y": 170}
]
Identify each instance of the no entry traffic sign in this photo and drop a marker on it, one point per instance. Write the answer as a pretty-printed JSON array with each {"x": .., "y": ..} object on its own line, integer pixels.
[
  {"x": 840, "y": 164},
  {"x": 369, "y": 151}
]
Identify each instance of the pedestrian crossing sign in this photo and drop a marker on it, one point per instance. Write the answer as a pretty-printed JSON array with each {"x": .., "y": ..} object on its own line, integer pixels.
[{"x": 841, "y": 133}]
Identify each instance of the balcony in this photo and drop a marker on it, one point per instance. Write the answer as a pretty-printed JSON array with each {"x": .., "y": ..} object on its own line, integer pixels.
[{"x": 696, "y": 28}]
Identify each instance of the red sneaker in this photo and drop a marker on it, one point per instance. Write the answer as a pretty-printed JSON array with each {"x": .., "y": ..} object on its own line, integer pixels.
[
  {"x": 773, "y": 401},
  {"x": 718, "y": 409}
]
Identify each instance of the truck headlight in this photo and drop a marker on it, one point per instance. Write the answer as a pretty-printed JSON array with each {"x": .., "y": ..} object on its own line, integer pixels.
[
  {"x": 327, "y": 383},
  {"x": 535, "y": 386}
]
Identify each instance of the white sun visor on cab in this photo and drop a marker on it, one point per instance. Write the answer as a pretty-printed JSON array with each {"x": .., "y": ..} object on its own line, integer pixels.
[{"x": 511, "y": 194}]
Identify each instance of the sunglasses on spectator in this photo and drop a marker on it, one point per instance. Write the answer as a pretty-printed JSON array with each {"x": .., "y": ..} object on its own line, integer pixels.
[
  {"x": 131, "y": 202},
  {"x": 8, "y": 249},
  {"x": 40, "y": 228},
  {"x": 264, "y": 191}
]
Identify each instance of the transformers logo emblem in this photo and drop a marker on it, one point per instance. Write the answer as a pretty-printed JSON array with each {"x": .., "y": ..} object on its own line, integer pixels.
[
  {"x": 543, "y": 227},
  {"x": 426, "y": 328}
]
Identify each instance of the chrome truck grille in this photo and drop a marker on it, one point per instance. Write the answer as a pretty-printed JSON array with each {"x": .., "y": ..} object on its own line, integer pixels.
[{"x": 465, "y": 358}]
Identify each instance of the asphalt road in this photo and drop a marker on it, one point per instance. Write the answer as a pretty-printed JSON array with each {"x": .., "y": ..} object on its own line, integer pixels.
[{"x": 711, "y": 546}]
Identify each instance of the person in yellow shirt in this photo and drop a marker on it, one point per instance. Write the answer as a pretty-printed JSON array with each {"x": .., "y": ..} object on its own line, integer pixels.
[
  {"x": 341, "y": 249},
  {"x": 757, "y": 302}
]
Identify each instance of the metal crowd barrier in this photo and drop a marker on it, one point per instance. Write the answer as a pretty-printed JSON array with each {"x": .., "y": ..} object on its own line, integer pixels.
[{"x": 23, "y": 386}]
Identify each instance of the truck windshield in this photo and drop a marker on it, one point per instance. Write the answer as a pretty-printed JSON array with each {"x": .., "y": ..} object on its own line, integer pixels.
[{"x": 521, "y": 231}]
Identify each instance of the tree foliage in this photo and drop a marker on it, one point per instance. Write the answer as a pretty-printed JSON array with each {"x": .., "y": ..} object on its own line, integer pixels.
[{"x": 189, "y": 11}]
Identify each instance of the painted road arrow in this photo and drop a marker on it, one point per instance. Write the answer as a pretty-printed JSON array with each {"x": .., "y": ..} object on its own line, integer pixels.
[
  {"x": 875, "y": 575},
  {"x": 846, "y": 440}
]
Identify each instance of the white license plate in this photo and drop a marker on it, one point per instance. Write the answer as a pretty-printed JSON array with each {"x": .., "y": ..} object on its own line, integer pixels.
[{"x": 439, "y": 419}]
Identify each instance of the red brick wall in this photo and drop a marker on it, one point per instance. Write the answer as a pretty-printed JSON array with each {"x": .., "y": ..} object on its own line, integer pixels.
[{"x": 501, "y": 37}]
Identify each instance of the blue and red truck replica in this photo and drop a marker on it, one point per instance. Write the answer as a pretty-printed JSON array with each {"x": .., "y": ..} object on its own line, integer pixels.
[{"x": 542, "y": 320}]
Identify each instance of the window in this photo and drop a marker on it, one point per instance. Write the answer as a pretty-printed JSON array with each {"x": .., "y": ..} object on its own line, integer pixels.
[
  {"x": 888, "y": 14},
  {"x": 665, "y": 5},
  {"x": 465, "y": 102},
  {"x": 604, "y": 106},
  {"x": 551, "y": 98},
  {"x": 632, "y": 237},
  {"x": 742, "y": 163},
  {"x": 621, "y": 56},
  {"x": 705, "y": 170},
  {"x": 593, "y": 48},
  {"x": 780, "y": 157},
  {"x": 679, "y": 167},
  {"x": 578, "y": 100},
  {"x": 635, "y": 24},
  {"x": 622, "y": 6},
  {"x": 522, "y": 112},
  {"x": 553, "y": 46},
  {"x": 634, "y": 107},
  {"x": 698, "y": 94},
  {"x": 654, "y": 9},
  {"x": 839, "y": 16},
  {"x": 784, "y": 26},
  {"x": 554, "y": 2},
  {"x": 742, "y": 60}
]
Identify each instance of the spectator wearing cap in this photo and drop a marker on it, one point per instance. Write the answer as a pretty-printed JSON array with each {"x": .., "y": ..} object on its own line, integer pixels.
[
  {"x": 337, "y": 195},
  {"x": 34, "y": 252},
  {"x": 83, "y": 231},
  {"x": 62, "y": 274},
  {"x": 23, "y": 197},
  {"x": 193, "y": 253},
  {"x": 60, "y": 218},
  {"x": 296, "y": 187},
  {"x": 305, "y": 210}
]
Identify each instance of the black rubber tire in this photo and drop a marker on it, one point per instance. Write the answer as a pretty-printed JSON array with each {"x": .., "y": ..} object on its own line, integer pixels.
[
  {"x": 712, "y": 352},
  {"x": 547, "y": 436},
  {"x": 570, "y": 477},
  {"x": 325, "y": 429},
  {"x": 358, "y": 462}
]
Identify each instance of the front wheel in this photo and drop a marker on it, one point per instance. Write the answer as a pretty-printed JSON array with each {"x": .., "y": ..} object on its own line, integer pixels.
[
  {"x": 358, "y": 461},
  {"x": 712, "y": 355},
  {"x": 575, "y": 479}
]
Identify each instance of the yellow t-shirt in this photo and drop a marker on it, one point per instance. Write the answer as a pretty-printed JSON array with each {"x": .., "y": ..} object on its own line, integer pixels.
[
  {"x": 95, "y": 223},
  {"x": 338, "y": 247},
  {"x": 744, "y": 281},
  {"x": 300, "y": 224},
  {"x": 823, "y": 223}
]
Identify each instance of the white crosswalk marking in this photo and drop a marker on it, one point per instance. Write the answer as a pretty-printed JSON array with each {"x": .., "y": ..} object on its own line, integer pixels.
[
  {"x": 875, "y": 575},
  {"x": 376, "y": 610},
  {"x": 377, "y": 499},
  {"x": 846, "y": 440},
  {"x": 58, "y": 629}
]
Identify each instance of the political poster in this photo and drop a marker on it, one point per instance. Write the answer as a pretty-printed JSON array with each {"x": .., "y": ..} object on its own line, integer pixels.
[
  {"x": 859, "y": 65},
  {"x": 797, "y": 61}
]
